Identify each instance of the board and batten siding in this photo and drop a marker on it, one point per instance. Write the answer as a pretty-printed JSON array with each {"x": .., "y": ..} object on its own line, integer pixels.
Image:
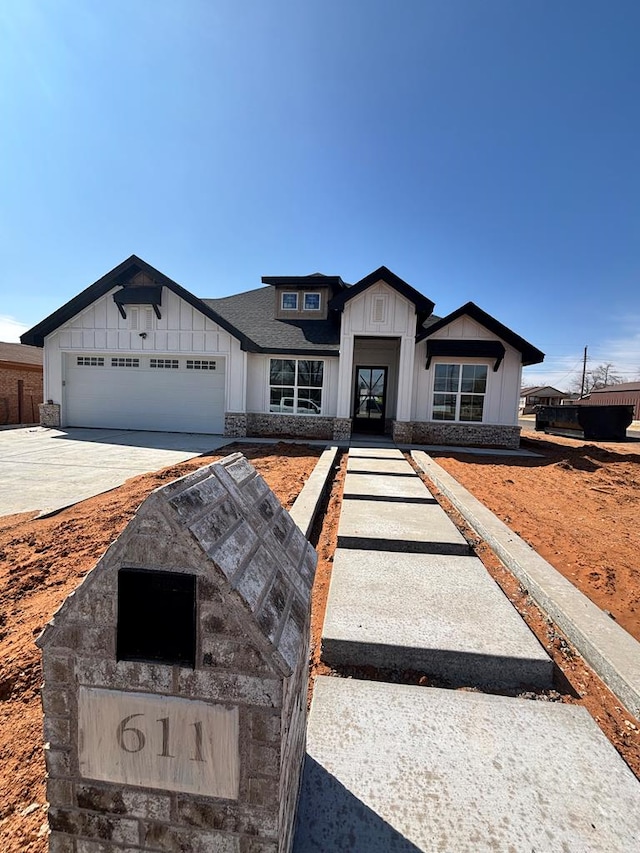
[
  {"x": 258, "y": 381},
  {"x": 503, "y": 387},
  {"x": 380, "y": 311},
  {"x": 181, "y": 331}
]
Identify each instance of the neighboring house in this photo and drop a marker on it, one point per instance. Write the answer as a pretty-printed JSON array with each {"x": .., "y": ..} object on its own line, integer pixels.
[
  {"x": 623, "y": 394},
  {"x": 540, "y": 395},
  {"x": 20, "y": 383},
  {"x": 305, "y": 355}
]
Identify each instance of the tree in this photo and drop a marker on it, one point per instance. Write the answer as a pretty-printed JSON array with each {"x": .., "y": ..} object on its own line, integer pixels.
[{"x": 597, "y": 377}]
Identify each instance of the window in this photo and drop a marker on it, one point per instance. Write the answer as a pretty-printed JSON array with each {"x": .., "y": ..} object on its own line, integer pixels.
[
  {"x": 198, "y": 364},
  {"x": 125, "y": 362},
  {"x": 289, "y": 302},
  {"x": 459, "y": 391},
  {"x": 90, "y": 361},
  {"x": 312, "y": 302},
  {"x": 170, "y": 363},
  {"x": 295, "y": 386}
]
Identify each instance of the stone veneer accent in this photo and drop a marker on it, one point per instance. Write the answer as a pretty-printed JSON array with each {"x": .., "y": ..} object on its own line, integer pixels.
[
  {"x": 304, "y": 426},
  {"x": 440, "y": 432},
  {"x": 49, "y": 414},
  {"x": 342, "y": 429},
  {"x": 402, "y": 432},
  {"x": 235, "y": 424},
  {"x": 254, "y": 572}
]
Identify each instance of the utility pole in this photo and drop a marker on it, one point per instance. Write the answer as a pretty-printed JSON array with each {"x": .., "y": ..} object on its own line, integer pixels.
[{"x": 584, "y": 372}]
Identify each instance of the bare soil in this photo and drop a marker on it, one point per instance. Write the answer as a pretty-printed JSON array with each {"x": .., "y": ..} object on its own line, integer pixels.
[{"x": 577, "y": 505}]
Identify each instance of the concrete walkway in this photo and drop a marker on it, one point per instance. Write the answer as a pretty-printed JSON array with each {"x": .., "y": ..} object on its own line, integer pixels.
[
  {"x": 407, "y": 593},
  {"x": 393, "y": 767}
]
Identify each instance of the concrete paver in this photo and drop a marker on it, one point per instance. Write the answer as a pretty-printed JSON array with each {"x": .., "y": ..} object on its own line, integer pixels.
[
  {"x": 442, "y": 615},
  {"x": 47, "y": 470},
  {"x": 400, "y": 768}
]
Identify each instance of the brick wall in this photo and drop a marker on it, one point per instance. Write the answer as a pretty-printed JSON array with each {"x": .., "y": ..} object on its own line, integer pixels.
[
  {"x": 254, "y": 572},
  {"x": 32, "y": 395}
]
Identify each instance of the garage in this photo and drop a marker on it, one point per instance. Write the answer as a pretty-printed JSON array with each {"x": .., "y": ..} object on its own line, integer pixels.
[{"x": 135, "y": 391}]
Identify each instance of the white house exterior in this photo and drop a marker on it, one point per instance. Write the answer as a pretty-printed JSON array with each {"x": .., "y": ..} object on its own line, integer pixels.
[{"x": 307, "y": 356}]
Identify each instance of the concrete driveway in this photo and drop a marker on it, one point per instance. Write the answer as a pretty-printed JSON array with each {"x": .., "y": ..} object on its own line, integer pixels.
[{"x": 49, "y": 469}]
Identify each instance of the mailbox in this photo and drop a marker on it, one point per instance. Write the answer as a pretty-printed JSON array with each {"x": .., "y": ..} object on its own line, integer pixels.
[{"x": 175, "y": 676}]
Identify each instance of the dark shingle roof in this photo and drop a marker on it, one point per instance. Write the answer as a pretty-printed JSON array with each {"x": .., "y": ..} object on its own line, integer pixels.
[
  {"x": 251, "y": 313},
  {"x": 530, "y": 354}
]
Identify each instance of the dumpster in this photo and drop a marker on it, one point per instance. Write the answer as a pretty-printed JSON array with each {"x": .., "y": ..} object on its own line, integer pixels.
[{"x": 595, "y": 422}]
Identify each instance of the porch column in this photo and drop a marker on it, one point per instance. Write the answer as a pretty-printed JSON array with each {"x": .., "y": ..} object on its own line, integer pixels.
[
  {"x": 405, "y": 378},
  {"x": 345, "y": 374}
]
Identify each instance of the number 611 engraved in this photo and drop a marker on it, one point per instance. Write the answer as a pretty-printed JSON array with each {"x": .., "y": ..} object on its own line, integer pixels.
[{"x": 132, "y": 739}]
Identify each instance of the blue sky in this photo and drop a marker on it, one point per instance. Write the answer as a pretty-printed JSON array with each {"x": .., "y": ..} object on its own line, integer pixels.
[{"x": 484, "y": 150}]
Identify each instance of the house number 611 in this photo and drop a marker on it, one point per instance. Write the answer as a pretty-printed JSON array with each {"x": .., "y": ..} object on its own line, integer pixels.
[{"x": 132, "y": 739}]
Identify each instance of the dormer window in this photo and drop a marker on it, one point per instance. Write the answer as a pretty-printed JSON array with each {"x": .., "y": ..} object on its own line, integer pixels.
[
  {"x": 289, "y": 302},
  {"x": 311, "y": 301}
]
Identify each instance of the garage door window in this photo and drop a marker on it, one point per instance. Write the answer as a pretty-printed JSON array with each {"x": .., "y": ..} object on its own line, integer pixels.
[
  {"x": 295, "y": 386},
  {"x": 125, "y": 362},
  {"x": 166, "y": 363},
  {"x": 90, "y": 361},
  {"x": 198, "y": 364}
]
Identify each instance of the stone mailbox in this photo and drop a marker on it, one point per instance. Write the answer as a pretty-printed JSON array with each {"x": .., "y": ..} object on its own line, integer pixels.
[{"x": 175, "y": 677}]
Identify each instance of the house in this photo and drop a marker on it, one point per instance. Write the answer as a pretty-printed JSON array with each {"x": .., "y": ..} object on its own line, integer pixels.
[
  {"x": 540, "y": 395},
  {"x": 20, "y": 383},
  {"x": 308, "y": 356},
  {"x": 623, "y": 394}
]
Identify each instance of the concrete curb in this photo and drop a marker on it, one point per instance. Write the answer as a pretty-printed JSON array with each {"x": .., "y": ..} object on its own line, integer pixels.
[
  {"x": 609, "y": 649},
  {"x": 305, "y": 506}
]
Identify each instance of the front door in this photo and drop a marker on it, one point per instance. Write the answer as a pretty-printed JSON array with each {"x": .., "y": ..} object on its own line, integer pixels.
[{"x": 370, "y": 402}]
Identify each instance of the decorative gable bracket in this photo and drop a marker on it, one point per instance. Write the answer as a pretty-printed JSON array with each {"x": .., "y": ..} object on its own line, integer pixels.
[
  {"x": 139, "y": 295},
  {"x": 465, "y": 349}
]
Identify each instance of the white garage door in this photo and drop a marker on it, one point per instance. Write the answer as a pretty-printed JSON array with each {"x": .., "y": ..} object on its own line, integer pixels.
[{"x": 134, "y": 391}]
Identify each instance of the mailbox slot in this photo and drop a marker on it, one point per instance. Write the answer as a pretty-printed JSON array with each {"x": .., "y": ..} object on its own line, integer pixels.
[{"x": 156, "y": 617}]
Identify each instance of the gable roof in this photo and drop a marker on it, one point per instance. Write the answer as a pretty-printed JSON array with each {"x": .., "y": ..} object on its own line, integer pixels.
[
  {"x": 423, "y": 306},
  {"x": 120, "y": 275},
  {"x": 530, "y": 354},
  {"x": 20, "y": 354},
  {"x": 252, "y": 313}
]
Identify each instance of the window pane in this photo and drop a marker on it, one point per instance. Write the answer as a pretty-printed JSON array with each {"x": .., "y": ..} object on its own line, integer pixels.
[
  {"x": 310, "y": 374},
  {"x": 447, "y": 377},
  {"x": 290, "y": 301},
  {"x": 471, "y": 406},
  {"x": 312, "y": 301},
  {"x": 309, "y": 401},
  {"x": 444, "y": 407},
  {"x": 281, "y": 400},
  {"x": 283, "y": 371},
  {"x": 474, "y": 378}
]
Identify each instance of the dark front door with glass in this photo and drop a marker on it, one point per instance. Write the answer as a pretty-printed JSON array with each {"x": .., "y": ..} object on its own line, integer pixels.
[{"x": 370, "y": 403}]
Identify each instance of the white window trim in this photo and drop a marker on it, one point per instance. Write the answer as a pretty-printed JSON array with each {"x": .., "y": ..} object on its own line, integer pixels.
[
  {"x": 288, "y": 293},
  {"x": 296, "y": 387},
  {"x": 312, "y": 293},
  {"x": 433, "y": 392}
]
